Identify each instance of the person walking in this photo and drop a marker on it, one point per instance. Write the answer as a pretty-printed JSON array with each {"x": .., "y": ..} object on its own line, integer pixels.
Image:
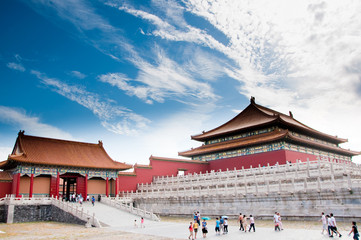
[
  {"x": 93, "y": 200},
  {"x": 218, "y": 231},
  {"x": 329, "y": 226},
  {"x": 324, "y": 222},
  {"x": 276, "y": 221},
  {"x": 195, "y": 229},
  {"x": 221, "y": 220},
  {"x": 244, "y": 223},
  {"x": 190, "y": 228},
  {"x": 280, "y": 221},
  {"x": 204, "y": 228},
  {"x": 334, "y": 225},
  {"x": 198, "y": 218},
  {"x": 142, "y": 223},
  {"x": 354, "y": 230},
  {"x": 251, "y": 219},
  {"x": 225, "y": 224},
  {"x": 240, "y": 219}
]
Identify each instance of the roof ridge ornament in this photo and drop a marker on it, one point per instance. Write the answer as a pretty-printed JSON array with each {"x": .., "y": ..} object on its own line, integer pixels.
[
  {"x": 291, "y": 115},
  {"x": 100, "y": 142},
  {"x": 21, "y": 133},
  {"x": 253, "y": 100}
]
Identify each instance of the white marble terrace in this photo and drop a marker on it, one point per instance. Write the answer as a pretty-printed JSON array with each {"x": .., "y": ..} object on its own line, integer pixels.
[{"x": 288, "y": 178}]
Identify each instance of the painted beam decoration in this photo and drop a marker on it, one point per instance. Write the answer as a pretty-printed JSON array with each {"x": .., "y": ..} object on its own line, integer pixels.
[{"x": 53, "y": 171}]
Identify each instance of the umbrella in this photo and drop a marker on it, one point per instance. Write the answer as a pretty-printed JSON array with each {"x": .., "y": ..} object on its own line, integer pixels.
[
  {"x": 224, "y": 216},
  {"x": 206, "y": 218}
]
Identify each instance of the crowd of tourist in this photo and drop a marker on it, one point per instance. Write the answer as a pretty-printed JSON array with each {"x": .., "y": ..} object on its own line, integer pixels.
[
  {"x": 221, "y": 224},
  {"x": 248, "y": 223}
]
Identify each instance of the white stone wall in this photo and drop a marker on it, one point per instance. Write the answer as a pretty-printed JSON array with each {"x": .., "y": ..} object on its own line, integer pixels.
[{"x": 297, "y": 191}]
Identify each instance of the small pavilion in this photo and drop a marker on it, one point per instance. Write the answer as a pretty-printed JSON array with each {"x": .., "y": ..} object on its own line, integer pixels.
[{"x": 52, "y": 167}]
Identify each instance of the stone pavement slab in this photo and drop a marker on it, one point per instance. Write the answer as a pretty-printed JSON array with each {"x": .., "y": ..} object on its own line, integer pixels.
[
  {"x": 180, "y": 231},
  {"x": 123, "y": 221}
]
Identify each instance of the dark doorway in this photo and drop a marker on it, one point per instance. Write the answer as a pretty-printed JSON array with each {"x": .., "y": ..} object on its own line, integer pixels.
[{"x": 68, "y": 185}]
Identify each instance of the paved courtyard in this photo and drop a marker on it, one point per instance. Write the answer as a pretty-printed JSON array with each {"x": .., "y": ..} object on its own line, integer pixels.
[{"x": 120, "y": 225}]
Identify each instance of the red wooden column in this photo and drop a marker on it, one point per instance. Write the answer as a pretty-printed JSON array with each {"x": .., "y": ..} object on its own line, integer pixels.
[
  {"x": 57, "y": 185},
  {"x": 31, "y": 185},
  {"x": 86, "y": 186},
  {"x": 116, "y": 186},
  {"x": 17, "y": 185},
  {"x": 107, "y": 188}
]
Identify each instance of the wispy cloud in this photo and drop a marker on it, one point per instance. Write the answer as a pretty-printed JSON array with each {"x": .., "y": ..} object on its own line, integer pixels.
[
  {"x": 78, "y": 74},
  {"x": 165, "y": 79},
  {"x": 115, "y": 118},
  {"x": 19, "y": 119},
  {"x": 16, "y": 66},
  {"x": 157, "y": 81}
]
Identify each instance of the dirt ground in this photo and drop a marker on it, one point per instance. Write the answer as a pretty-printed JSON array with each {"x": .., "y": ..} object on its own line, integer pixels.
[{"x": 54, "y": 230}]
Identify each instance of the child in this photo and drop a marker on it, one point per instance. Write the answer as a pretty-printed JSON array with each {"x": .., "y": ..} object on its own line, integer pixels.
[
  {"x": 218, "y": 231},
  {"x": 354, "y": 231},
  {"x": 142, "y": 223},
  {"x": 190, "y": 230},
  {"x": 277, "y": 226},
  {"x": 135, "y": 224},
  {"x": 93, "y": 200}
]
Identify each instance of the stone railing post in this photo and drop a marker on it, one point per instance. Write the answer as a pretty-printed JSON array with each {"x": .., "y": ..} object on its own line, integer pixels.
[
  {"x": 279, "y": 186},
  {"x": 308, "y": 167},
  {"x": 305, "y": 185},
  {"x": 349, "y": 182},
  {"x": 267, "y": 187}
]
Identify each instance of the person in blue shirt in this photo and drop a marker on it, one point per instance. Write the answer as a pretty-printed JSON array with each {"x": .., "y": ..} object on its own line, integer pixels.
[
  {"x": 221, "y": 220},
  {"x": 204, "y": 228},
  {"x": 218, "y": 231}
]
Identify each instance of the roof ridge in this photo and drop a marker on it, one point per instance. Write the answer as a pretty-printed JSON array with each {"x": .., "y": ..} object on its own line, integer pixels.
[{"x": 60, "y": 140}]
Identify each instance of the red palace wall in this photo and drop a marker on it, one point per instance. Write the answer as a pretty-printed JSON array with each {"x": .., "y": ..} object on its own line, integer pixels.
[
  {"x": 5, "y": 188},
  {"x": 162, "y": 167},
  {"x": 158, "y": 167},
  {"x": 246, "y": 161},
  {"x": 280, "y": 156}
]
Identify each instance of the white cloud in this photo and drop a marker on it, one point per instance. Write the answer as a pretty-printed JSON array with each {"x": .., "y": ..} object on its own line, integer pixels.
[
  {"x": 300, "y": 56},
  {"x": 165, "y": 79},
  {"x": 18, "y": 118},
  {"x": 167, "y": 137},
  {"x": 16, "y": 66},
  {"x": 78, "y": 74},
  {"x": 114, "y": 118},
  {"x": 4, "y": 153}
]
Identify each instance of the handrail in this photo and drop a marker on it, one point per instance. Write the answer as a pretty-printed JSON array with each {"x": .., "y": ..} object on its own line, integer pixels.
[
  {"x": 65, "y": 206},
  {"x": 117, "y": 203},
  {"x": 311, "y": 175}
]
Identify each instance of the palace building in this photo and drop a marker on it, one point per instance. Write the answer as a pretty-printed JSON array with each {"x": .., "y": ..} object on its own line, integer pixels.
[
  {"x": 53, "y": 167},
  {"x": 261, "y": 136}
]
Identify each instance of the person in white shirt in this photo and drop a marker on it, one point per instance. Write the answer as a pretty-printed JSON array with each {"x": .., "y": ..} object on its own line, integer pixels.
[
  {"x": 225, "y": 225},
  {"x": 280, "y": 221},
  {"x": 251, "y": 220},
  {"x": 324, "y": 222},
  {"x": 334, "y": 226}
]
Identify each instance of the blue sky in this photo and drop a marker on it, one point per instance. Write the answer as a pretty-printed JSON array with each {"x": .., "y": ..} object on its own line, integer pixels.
[{"x": 142, "y": 76}]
